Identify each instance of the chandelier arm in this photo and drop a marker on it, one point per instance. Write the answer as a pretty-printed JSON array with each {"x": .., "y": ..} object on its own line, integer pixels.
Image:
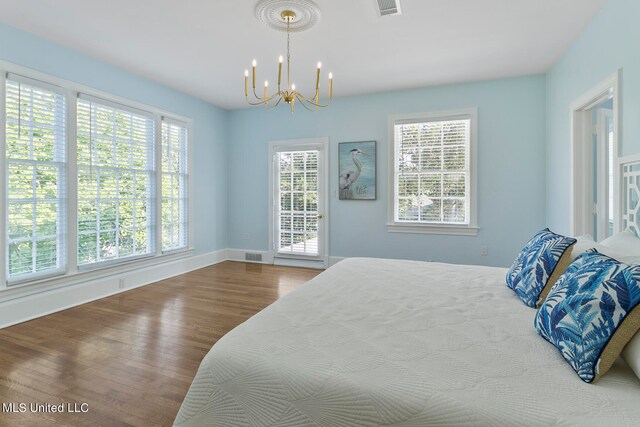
[
  {"x": 325, "y": 105},
  {"x": 254, "y": 103},
  {"x": 258, "y": 99},
  {"x": 275, "y": 105},
  {"x": 311, "y": 101},
  {"x": 278, "y": 94},
  {"x": 304, "y": 101},
  {"x": 316, "y": 105},
  {"x": 304, "y": 98},
  {"x": 263, "y": 100}
]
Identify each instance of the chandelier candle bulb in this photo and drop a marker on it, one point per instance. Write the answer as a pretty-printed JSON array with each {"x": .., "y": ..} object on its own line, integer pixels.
[
  {"x": 254, "y": 73},
  {"x": 318, "y": 79},
  {"x": 246, "y": 83},
  {"x": 266, "y": 91},
  {"x": 330, "y": 85},
  {"x": 279, "y": 71}
]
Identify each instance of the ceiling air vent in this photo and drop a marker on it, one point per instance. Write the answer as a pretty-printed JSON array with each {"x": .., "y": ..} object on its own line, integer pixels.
[{"x": 388, "y": 7}]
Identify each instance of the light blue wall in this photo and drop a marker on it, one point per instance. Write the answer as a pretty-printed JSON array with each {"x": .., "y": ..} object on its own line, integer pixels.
[
  {"x": 511, "y": 180},
  {"x": 610, "y": 42},
  {"x": 517, "y": 193},
  {"x": 210, "y": 128}
]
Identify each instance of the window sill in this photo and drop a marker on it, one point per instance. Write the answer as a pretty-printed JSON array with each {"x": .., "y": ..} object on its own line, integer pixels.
[
  {"x": 454, "y": 230},
  {"x": 25, "y": 288}
]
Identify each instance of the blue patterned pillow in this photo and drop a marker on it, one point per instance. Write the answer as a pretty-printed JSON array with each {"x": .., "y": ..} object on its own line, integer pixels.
[
  {"x": 537, "y": 267},
  {"x": 592, "y": 312}
]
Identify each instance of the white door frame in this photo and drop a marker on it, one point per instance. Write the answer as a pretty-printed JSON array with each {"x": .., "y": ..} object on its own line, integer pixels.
[
  {"x": 322, "y": 145},
  {"x": 605, "y": 117},
  {"x": 581, "y": 168}
]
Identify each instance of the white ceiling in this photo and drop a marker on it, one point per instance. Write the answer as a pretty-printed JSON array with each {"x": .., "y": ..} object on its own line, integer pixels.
[{"x": 202, "y": 47}]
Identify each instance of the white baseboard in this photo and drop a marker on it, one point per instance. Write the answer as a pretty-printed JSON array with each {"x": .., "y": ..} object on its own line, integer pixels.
[
  {"x": 42, "y": 303},
  {"x": 268, "y": 258},
  {"x": 302, "y": 263}
]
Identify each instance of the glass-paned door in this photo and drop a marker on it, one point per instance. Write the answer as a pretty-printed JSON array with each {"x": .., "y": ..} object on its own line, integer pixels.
[{"x": 298, "y": 207}]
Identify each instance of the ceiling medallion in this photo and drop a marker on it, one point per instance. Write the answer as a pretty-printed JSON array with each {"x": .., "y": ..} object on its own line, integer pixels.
[{"x": 269, "y": 12}]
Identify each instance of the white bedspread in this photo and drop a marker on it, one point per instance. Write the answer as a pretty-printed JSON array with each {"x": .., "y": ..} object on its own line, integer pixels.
[{"x": 383, "y": 342}]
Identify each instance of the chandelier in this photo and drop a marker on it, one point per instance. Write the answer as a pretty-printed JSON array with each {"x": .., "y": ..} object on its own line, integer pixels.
[{"x": 267, "y": 11}]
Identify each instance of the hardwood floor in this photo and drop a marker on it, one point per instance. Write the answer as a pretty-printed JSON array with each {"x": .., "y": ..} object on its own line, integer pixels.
[{"x": 132, "y": 357}]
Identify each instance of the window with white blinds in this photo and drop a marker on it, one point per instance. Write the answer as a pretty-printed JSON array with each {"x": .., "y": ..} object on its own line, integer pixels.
[
  {"x": 175, "y": 185},
  {"x": 432, "y": 163},
  {"x": 116, "y": 182},
  {"x": 36, "y": 179},
  {"x": 89, "y": 181}
]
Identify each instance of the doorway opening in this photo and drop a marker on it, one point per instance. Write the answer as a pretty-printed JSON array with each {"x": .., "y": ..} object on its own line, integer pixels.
[{"x": 595, "y": 124}]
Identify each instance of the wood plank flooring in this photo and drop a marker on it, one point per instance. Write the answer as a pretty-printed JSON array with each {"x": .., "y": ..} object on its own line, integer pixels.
[{"x": 132, "y": 357}]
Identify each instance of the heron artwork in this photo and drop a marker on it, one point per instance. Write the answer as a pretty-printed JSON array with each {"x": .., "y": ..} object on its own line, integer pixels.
[{"x": 357, "y": 173}]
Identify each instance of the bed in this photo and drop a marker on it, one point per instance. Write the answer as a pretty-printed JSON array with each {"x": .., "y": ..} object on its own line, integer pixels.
[{"x": 373, "y": 342}]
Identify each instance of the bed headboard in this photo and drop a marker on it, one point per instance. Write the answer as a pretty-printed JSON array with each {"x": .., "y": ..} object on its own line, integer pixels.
[{"x": 630, "y": 185}]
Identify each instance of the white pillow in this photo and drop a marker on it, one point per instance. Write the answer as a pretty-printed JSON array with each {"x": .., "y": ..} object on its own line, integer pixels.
[
  {"x": 586, "y": 242},
  {"x": 625, "y": 242},
  {"x": 583, "y": 243},
  {"x": 631, "y": 354}
]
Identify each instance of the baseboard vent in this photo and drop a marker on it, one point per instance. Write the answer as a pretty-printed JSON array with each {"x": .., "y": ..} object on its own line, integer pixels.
[
  {"x": 248, "y": 256},
  {"x": 388, "y": 7}
]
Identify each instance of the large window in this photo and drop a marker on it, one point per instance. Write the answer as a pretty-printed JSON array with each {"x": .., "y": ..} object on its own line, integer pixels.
[
  {"x": 36, "y": 168},
  {"x": 116, "y": 182},
  {"x": 91, "y": 180},
  {"x": 433, "y": 172},
  {"x": 175, "y": 186}
]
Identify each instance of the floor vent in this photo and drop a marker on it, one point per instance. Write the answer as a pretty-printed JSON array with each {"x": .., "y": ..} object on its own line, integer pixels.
[
  {"x": 388, "y": 7},
  {"x": 248, "y": 256}
]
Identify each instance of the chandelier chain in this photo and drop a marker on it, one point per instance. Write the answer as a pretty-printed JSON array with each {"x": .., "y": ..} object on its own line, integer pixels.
[{"x": 288, "y": 53}]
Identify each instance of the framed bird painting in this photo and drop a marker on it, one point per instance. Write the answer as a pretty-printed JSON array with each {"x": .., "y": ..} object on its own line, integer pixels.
[{"x": 357, "y": 163}]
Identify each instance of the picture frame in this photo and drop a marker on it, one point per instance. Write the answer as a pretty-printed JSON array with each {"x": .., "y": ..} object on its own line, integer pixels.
[{"x": 357, "y": 170}]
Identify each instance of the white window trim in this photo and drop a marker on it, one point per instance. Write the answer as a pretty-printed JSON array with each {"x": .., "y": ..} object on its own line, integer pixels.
[
  {"x": 3, "y": 178},
  {"x": 189, "y": 128},
  {"x": 52, "y": 272},
  {"x": 73, "y": 274},
  {"x": 91, "y": 106},
  {"x": 470, "y": 229}
]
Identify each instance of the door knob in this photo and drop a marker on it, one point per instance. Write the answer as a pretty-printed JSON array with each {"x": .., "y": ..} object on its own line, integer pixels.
[{"x": 320, "y": 216}]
